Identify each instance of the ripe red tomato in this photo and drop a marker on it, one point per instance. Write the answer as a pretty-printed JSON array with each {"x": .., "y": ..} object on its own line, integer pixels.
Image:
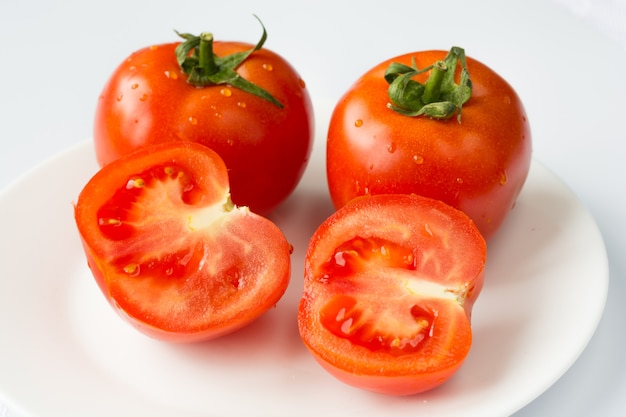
[
  {"x": 477, "y": 162},
  {"x": 171, "y": 252},
  {"x": 390, "y": 282},
  {"x": 265, "y": 139}
]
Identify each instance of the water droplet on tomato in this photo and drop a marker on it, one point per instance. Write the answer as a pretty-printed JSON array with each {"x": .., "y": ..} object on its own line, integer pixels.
[
  {"x": 418, "y": 159},
  {"x": 459, "y": 180},
  {"x": 268, "y": 67},
  {"x": 226, "y": 92},
  {"x": 172, "y": 75},
  {"x": 358, "y": 123},
  {"x": 193, "y": 120},
  {"x": 391, "y": 147},
  {"x": 503, "y": 178},
  {"x": 242, "y": 104}
]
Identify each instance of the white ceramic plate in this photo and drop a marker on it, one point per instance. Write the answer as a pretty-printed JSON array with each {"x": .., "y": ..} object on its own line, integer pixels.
[{"x": 65, "y": 352}]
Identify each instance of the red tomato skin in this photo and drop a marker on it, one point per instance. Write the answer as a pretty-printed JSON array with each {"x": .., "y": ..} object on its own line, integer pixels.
[
  {"x": 478, "y": 166},
  {"x": 147, "y": 100},
  {"x": 422, "y": 225},
  {"x": 261, "y": 292}
]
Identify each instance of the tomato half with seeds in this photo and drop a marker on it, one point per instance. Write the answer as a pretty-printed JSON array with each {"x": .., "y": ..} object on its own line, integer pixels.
[
  {"x": 246, "y": 102},
  {"x": 436, "y": 124},
  {"x": 390, "y": 283},
  {"x": 171, "y": 252}
]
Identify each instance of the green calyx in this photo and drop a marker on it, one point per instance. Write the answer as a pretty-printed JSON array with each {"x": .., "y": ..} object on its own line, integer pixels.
[
  {"x": 196, "y": 59},
  {"x": 440, "y": 97}
]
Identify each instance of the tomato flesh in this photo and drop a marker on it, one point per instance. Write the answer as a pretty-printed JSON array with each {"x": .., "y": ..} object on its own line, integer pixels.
[
  {"x": 171, "y": 252},
  {"x": 390, "y": 282}
]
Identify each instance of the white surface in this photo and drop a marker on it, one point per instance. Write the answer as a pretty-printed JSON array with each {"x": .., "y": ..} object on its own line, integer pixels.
[
  {"x": 68, "y": 346},
  {"x": 565, "y": 59}
]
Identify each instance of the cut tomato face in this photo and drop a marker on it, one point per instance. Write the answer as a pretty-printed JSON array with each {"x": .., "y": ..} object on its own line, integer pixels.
[
  {"x": 390, "y": 282},
  {"x": 171, "y": 252}
]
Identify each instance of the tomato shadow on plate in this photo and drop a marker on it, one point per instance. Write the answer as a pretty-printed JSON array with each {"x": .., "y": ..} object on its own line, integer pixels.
[
  {"x": 524, "y": 266},
  {"x": 534, "y": 227},
  {"x": 298, "y": 218}
]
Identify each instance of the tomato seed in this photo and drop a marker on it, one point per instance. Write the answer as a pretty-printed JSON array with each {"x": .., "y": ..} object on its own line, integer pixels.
[
  {"x": 136, "y": 183},
  {"x": 132, "y": 269},
  {"x": 109, "y": 222}
]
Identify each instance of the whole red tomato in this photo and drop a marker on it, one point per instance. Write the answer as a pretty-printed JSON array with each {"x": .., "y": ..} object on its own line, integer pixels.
[
  {"x": 390, "y": 282},
  {"x": 394, "y": 132},
  {"x": 246, "y": 103},
  {"x": 170, "y": 251}
]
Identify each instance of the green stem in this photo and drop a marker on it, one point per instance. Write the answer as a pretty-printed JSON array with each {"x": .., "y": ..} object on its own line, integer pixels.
[
  {"x": 432, "y": 88},
  {"x": 203, "y": 68},
  {"x": 440, "y": 97},
  {"x": 206, "y": 57}
]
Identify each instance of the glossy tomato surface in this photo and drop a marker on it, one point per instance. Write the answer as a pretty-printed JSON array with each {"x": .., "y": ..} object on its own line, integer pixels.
[
  {"x": 170, "y": 251},
  {"x": 147, "y": 100},
  {"x": 478, "y": 165},
  {"x": 390, "y": 282}
]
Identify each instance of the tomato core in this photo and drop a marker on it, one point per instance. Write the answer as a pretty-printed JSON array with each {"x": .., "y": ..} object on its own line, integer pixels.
[
  {"x": 139, "y": 207},
  {"x": 367, "y": 323}
]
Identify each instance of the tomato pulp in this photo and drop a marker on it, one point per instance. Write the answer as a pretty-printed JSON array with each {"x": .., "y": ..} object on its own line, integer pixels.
[
  {"x": 170, "y": 251},
  {"x": 390, "y": 282}
]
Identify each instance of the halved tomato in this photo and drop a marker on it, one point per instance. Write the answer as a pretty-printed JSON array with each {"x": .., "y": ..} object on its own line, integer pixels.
[
  {"x": 390, "y": 282},
  {"x": 169, "y": 249}
]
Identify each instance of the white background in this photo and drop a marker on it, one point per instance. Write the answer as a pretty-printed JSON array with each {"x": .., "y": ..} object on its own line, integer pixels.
[{"x": 566, "y": 58}]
